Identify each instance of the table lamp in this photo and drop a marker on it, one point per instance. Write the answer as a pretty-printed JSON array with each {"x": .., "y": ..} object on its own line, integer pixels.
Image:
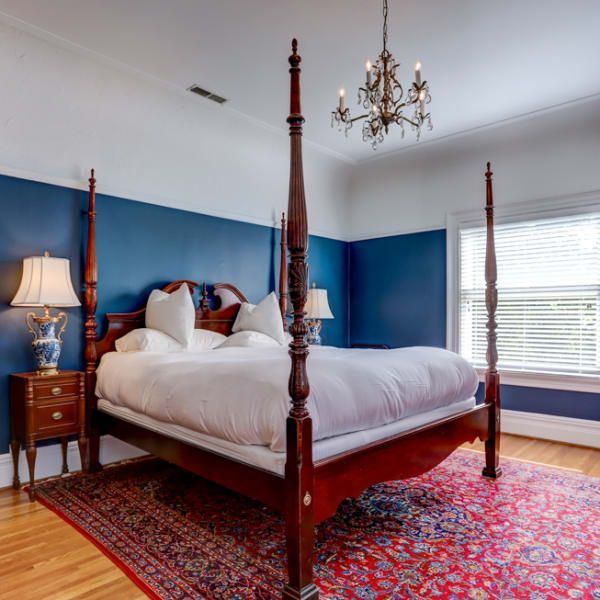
[
  {"x": 46, "y": 282},
  {"x": 317, "y": 308}
]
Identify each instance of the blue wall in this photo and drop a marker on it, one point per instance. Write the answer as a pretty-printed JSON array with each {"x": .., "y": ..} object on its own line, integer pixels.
[
  {"x": 398, "y": 297},
  {"x": 398, "y": 290},
  {"x": 140, "y": 246}
]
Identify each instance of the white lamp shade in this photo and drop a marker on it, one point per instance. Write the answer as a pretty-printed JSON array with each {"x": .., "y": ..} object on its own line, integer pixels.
[
  {"x": 317, "y": 305},
  {"x": 46, "y": 281}
]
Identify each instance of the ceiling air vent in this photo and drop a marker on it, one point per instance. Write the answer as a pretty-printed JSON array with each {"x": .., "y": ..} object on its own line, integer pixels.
[{"x": 196, "y": 89}]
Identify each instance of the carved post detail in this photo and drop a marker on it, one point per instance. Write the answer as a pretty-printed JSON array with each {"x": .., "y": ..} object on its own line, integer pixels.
[
  {"x": 91, "y": 302},
  {"x": 492, "y": 377},
  {"x": 299, "y": 470},
  {"x": 283, "y": 275}
]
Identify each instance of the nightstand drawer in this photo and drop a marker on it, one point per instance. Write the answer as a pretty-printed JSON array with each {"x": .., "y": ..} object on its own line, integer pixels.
[
  {"x": 55, "y": 390},
  {"x": 55, "y": 416}
]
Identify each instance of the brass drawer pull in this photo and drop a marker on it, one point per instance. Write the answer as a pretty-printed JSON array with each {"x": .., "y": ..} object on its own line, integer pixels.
[
  {"x": 56, "y": 391},
  {"x": 57, "y": 416}
]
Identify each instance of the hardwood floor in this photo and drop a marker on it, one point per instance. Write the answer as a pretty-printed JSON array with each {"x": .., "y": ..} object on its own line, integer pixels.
[{"x": 41, "y": 557}]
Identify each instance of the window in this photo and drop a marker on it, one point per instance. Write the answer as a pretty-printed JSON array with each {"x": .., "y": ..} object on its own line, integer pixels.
[{"x": 548, "y": 291}]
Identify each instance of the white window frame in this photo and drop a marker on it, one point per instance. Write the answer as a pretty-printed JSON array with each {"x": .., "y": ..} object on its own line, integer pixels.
[{"x": 561, "y": 206}]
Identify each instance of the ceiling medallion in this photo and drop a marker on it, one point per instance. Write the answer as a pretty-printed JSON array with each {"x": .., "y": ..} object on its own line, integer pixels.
[{"x": 384, "y": 99}]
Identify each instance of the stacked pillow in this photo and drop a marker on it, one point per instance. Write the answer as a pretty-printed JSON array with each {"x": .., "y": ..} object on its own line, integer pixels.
[
  {"x": 173, "y": 314},
  {"x": 152, "y": 340},
  {"x": 257, "y": 325},
  {"x": 171, "y": 318}
]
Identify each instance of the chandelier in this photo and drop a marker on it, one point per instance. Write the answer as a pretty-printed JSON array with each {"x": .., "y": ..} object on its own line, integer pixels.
[{"x": 384, "y": 99}]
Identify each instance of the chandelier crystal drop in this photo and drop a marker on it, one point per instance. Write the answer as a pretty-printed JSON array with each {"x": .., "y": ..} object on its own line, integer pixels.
[{"x": 384, "y": 99}]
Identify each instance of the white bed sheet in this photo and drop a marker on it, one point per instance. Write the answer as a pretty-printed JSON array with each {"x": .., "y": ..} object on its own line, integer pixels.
[
  {"x": 263, "y": 457},
  {"x": 240, "y": 394}
]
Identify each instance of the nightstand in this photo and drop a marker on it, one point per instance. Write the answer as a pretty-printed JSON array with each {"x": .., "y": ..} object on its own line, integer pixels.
[{"x": 45, "y": 407}]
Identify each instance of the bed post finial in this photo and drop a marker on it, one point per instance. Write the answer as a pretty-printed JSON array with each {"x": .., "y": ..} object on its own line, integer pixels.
[
  {"x": 283, "y": 291},
  {"x": 299, "y": 469},
  {"x": 91, "y": 302},
  {"x": 492, "y": 377},
  {"x": 204, "y": 298}
]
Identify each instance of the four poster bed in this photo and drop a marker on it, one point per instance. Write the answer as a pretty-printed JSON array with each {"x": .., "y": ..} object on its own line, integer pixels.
[{"x": 305, "y": 490}]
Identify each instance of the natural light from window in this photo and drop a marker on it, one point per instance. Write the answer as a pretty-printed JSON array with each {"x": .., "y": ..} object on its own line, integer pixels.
[{"x": 549, "y": 295}]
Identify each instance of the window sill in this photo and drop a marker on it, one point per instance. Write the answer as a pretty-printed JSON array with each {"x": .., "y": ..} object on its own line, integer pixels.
[{"x": 572, "y": 383}]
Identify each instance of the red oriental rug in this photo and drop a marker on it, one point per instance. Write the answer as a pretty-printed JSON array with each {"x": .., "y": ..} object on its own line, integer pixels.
[{"x": 448, "y": 534}]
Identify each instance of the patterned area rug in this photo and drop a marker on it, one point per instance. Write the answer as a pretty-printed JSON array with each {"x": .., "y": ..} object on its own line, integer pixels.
[{"x": 448, "y": 534}]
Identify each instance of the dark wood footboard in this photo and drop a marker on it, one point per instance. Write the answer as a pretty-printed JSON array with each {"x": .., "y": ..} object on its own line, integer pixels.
[{"x": 406, "y": 455}]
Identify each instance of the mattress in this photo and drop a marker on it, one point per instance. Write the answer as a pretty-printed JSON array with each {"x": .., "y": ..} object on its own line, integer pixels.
[
  {"x": 264, "y": 458},
  {"x": 241, "y": 394}
]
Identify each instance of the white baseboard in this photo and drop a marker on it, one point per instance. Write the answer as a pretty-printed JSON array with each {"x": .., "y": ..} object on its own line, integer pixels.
[
  {"x": 49, "y": 460},
  {"x": 581, "y": 432}
]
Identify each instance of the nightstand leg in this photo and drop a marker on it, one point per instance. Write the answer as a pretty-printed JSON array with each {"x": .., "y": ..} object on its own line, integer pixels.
[
  {"x": 64, "y": 443},
  {"x": 31, "y": 453},
  {"x": 82, "y": 442},
  {"x": 15, "y": 449}
]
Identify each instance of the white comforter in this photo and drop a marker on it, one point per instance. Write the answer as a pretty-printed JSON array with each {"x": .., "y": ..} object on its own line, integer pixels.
[{"x": 240, "y": 394}]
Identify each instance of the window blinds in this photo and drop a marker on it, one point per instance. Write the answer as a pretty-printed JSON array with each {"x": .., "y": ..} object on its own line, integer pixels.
[{"x": 548, "y": 295}]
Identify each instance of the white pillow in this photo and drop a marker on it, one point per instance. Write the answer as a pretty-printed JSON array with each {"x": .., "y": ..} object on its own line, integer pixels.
[
  {"x": 203, "y": 339},
  {"x": 264, "y": 317},
  {"x": 147, "y": 340},
  {"x": 173, "y": 314},
  {"x": 249, "y": 339}
]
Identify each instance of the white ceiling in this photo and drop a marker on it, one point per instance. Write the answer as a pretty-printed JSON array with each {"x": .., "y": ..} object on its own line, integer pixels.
[{"x": 485, "y": 61}]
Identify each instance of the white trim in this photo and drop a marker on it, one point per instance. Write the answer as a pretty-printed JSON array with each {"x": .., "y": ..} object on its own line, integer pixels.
[
  {"x": 127, "y": 194},
  {"x": 558, "y": 206},
  {"x": 397, "y": 232},
  {"x": 581, "y": 432},
  {"x": 49, "y": 460},
  {"x": 486, "y": 127},
  {"x": 548, "y": 381}
]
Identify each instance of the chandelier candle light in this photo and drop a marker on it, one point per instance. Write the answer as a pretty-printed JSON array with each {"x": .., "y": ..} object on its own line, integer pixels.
[{"x": 384, "y": 99}]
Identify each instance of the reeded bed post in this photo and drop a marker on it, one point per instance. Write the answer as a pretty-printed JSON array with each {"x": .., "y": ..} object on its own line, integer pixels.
[
  {"x": 492, "y": 377},
  {"x": 283, "y": 291},
  {"x": 91, "y": 302},
  {"x": 299, "y": 468}
]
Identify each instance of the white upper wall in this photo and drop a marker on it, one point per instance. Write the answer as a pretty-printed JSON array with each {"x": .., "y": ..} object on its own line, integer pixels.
[
  {"x": 62, "y": 112},
  {"x": 485, "y": 61},
  {"x": 549, "y": 154}
]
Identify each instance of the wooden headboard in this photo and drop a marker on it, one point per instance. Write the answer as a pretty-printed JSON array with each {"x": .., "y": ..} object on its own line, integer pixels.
[{"x": 216, "y": 311}]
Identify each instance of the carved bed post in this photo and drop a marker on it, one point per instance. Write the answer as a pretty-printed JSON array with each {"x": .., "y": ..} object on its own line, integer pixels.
[
  {"x": 299, "y": 469},
  {"x": 492, "y": 377},
  {"x": 283, "y": 291},
  {"x": 90, "y": 302}
]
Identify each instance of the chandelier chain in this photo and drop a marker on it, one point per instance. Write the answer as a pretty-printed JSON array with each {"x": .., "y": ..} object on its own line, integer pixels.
[{"x": 385, "y": 18}]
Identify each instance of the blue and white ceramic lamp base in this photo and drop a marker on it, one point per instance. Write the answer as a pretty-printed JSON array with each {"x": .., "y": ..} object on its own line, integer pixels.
[
  {"x": 314, "y": 332},
  {"x": 46, "y": 343}
]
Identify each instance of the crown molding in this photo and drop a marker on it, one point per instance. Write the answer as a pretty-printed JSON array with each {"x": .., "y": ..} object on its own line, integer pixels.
[
  {"x": 107, "y": 61},
  {"x": 414, "y": 146}
]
